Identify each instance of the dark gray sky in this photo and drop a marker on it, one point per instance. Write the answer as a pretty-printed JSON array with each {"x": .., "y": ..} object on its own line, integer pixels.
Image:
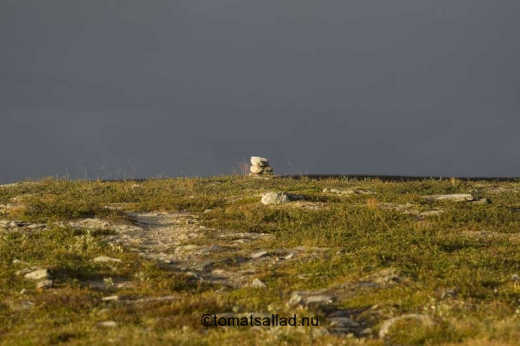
[{"x": 110, "y": 88}]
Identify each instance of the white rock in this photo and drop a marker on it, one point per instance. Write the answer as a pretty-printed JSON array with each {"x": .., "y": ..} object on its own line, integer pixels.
[
  {"x": 258, "y": 254},
  {"x": 259, "y": 161},
  {"x": 431, "y": 212},
  {"x": 318, "y": 300},
  {"x": 107, "y": 259},
  {"x": 23, "y": 291},
  {"x": 457, "y": 197},
  {"x": 275, "y": 198},
  {"x": 258, "y": 284},
  {"x": 107, "y": 324},
  {"x": 44, "y": 284},
  {"x": 110, "y": 298},
  {"x": 39, "y": 274}
]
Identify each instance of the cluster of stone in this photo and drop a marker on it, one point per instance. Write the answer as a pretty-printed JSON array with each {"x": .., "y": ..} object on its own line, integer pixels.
[{"x": 260, "y": 166}]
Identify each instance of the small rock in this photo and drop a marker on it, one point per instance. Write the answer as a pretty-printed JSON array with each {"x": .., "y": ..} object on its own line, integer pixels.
[
  {"x": 385, "y": 327},
  {"x": 107, "y": 324},
  {"x": 39, "y": 274},
  {"x": 44, "y": 284},
  {"x": 110, "y": 299},
  {"x": 275, "y": 198},
  {"x": 17, "y": 261},
  {"x": 107, "y": 259},
  {"x": 289, "y": 256},
  {"x": 299, "y": 298},
  {"x": 23, "y": 291},
  {"x": 457, "y": 197},
  {"x": 258, "y": 284},
  {"x": 258, "y": 254},
  {"x": 318, "y": 300}
]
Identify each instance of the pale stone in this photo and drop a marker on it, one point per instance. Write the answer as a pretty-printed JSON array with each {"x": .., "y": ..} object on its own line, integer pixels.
[
  {"x": 275, "y": 198},
  {"x": 107, "y": 324},
  {"x": 259, "y": 161},
  {"x": 289, "y": 256},
  {"x": 38, "y": 274},
  {"x": 107, "y": 259},
  {"x": 258, "y": 254},
  {"x": 258, "y": 284},
  {"x": 44, "y": 284},
  {"x": 318, "y": 300},
  {"x": 110, "y": 298},
  {"x": 457, "y": 197}
]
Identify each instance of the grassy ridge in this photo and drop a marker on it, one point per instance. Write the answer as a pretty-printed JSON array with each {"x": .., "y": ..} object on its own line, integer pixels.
[{"x": 458, "y": 266}]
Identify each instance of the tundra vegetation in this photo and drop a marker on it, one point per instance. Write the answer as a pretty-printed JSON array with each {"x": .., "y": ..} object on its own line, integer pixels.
[{"x": 92, "y": 262}]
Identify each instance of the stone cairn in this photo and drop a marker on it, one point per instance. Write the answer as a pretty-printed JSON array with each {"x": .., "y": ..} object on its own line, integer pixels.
[{"x": 260, "y": 167}]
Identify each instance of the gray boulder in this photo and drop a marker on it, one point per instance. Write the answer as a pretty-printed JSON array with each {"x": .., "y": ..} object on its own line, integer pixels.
[{"x": 276, "y": 198}]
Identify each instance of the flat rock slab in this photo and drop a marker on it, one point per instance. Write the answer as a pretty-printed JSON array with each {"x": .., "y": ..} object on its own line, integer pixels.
[
  {"x": 107, "y": 259},
  {"x": 308, "y": 298},
  {"x": 348, "y": 192},
  {"x": 457, "y": 197},
  {"x": 259, "y": 254}
]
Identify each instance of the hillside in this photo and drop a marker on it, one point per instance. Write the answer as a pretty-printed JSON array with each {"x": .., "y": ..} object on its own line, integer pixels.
[{"x": 92, "y": 262}]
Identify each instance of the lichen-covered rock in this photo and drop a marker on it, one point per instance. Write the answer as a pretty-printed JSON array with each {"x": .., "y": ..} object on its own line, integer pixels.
[{"x": 275, "y": 198}]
